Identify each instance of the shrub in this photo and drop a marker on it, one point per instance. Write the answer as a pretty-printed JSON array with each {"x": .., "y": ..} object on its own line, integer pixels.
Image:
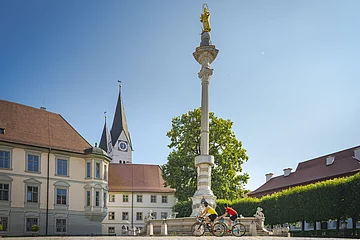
[{"x": 34, "y": 228}]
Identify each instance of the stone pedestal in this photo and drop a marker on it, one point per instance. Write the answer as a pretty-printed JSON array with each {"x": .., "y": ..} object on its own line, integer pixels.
[
  {"x": 164, "y": 231},
  {"x": 150, "y": 229},
  {"x": 252, "y": 229}
]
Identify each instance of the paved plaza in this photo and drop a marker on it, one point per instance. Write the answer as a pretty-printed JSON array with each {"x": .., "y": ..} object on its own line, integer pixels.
[{"x": 171, "y": 238}]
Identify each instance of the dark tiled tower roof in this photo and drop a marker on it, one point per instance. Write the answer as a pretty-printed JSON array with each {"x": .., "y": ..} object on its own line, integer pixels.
[
  {"x": 119, "y": 123},
  {"x": 104, "y": 139}
]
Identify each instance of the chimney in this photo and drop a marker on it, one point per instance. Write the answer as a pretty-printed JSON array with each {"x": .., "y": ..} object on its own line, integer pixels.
[
  {"x": 357, "y": 153},
  {"x": 268, "y": 176},
  {"x": 330, "y": 160},
  {"x": 287, "y": 171}
]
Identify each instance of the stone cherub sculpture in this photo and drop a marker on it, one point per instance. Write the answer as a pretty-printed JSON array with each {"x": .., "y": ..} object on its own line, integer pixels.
[
  {"x": 260, "y": 218},
  {"x": 259, "y": 214},
  {"x": 205, "y": 18},
  {"x": 148, "y": 217}
]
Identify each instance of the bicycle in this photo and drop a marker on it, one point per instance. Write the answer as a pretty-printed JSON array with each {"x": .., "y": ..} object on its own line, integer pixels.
[
  {"x": 199, "y": 227},
  {"x": 238, "y": 229}
]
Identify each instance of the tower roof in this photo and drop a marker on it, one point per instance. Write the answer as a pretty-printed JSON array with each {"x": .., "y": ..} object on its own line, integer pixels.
[
  {"x": 119, "y": 123},
  {"x": 104, "y": 141}
]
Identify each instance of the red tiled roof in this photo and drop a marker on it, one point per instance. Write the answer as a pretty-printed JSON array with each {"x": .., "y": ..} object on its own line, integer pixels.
[
  {"x": 38, "y": 127},
  {"x": 137, "y": 178},
  {"x": 313, "y": 171}
]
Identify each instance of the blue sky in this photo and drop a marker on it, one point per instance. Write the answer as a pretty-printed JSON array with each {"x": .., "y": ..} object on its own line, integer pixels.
[{"x": 287, "y": 73}]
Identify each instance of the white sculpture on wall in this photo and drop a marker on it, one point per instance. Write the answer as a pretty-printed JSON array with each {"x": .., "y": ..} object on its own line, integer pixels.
[
  {"x": 148, "y": 217},
  {"x": 259, "y": 214}
]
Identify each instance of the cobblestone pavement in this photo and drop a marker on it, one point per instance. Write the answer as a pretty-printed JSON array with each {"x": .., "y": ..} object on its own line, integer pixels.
[{"x": 172, "y": 238}]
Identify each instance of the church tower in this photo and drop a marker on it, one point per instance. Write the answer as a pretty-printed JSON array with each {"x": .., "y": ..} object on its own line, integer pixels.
[
  {"x": 118, "y": 143},
  {"x": 105, "y": 141}
]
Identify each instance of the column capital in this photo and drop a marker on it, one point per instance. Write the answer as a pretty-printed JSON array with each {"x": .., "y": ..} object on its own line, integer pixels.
[
  {"x": 205, "y": 74},
  {"x": 205, "y": 54}
]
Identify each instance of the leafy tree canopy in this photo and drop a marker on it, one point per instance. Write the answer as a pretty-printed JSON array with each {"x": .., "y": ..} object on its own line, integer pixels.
[{"x": 179, "y": 172}]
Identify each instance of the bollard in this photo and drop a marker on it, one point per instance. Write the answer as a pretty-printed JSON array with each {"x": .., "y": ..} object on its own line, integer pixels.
[
  {"x": 252, "y": 229},
  {"x": 164, "y": 229},
  {"x": 150, "y": 229}
]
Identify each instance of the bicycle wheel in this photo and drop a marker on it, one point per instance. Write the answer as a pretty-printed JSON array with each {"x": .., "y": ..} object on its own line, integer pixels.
[
  {"x": 219, "y": 229},
  {"x": 238, "y": 230},
  {"x": 198, "y": 229}
]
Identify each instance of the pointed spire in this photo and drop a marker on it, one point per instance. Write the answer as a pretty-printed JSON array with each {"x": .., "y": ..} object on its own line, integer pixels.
[
  {"x": 105, "y": 138},
  {"x": 119, "y": 123}
]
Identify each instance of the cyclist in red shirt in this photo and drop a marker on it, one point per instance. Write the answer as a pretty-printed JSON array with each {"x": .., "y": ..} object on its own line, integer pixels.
[{"x": 231, "y": 212}]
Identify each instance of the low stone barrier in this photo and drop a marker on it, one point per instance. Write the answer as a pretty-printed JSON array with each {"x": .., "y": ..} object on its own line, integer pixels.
[{"x": 182, "y": 226}]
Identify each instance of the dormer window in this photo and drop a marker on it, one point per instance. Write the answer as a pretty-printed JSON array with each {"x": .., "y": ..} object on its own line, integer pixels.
[
  {"x": 357, "y": 154},
  {"x": 330, "y": 160},
  {"x": 2, "y": 130}
]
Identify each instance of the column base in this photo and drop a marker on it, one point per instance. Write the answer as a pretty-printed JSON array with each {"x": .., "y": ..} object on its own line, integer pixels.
[{"x": 197, "y": 207}]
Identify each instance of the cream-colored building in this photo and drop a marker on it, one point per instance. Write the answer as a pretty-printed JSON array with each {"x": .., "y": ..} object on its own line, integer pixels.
[
  {"x": 50, "y": 176},
  {"x": 134, "y": 191}
]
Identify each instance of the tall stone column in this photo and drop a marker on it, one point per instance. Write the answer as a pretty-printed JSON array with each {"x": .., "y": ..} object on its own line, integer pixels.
[{"x": 204, "y": 55}]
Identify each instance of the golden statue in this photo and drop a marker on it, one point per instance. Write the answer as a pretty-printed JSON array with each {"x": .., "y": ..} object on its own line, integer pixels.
[{"x": 205, "y": 18}]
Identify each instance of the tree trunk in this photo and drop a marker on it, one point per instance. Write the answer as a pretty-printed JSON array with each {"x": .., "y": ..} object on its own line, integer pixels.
[
  {"x": 303, "y": 226},
  {"x": 354, "y": 220},
  {"x": 315, "y": 228},
  {"x": 337, "y": 226}
]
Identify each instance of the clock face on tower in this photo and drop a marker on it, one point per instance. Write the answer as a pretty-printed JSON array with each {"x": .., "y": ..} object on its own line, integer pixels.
[{"x": 123, "y": 146}]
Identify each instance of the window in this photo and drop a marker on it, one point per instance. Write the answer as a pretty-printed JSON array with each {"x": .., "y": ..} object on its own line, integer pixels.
[
  {"x": 333, "y": 224},
  {"x": 164, "y": 199},
  {"x": 88, "y": 169},
  {"x": 125, "y": 216},
  {"x": 153, "y": 198},
  {"x": 4, "y": 222},
  {"x": 4, "y": 159},
  {"x": 111, "y": 230},
  {"x": 2, "y": 130},
  {"x": 4, "y": 192},
  {"x": 138, "y": 198},
  {"x": 62, "y": 167},
  {"x": 31, "y": 222},
  {"x": 105, "y": 200},
  {"x": 139, "y": 216},
  {"x": 97, "y": 170},
  {"x": 97, "y": 198},
  {"x": 111, "y": 198},
  {"x": 111, "y": 215},
  {"x": 125, "y": 198},
  {"x": 88, "y": 198},
  {"x": 164, "y": 215},
  {"x": 32, "y": 194},
  {"x": 105, "y": 172},
  {"x": 61, "y": 196},
  {"x": 60, "y": 226},
  {"x": 33, "y": 163}
]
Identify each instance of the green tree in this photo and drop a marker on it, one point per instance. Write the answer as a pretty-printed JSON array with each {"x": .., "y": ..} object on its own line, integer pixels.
[{"x": 229, "y": 155}]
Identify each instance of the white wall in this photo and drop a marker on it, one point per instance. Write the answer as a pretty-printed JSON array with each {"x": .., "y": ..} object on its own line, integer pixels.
[{"x": 119, "y": 207}]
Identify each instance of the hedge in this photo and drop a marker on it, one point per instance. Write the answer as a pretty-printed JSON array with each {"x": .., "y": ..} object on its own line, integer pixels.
[{"x": 331, "y": 199}]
